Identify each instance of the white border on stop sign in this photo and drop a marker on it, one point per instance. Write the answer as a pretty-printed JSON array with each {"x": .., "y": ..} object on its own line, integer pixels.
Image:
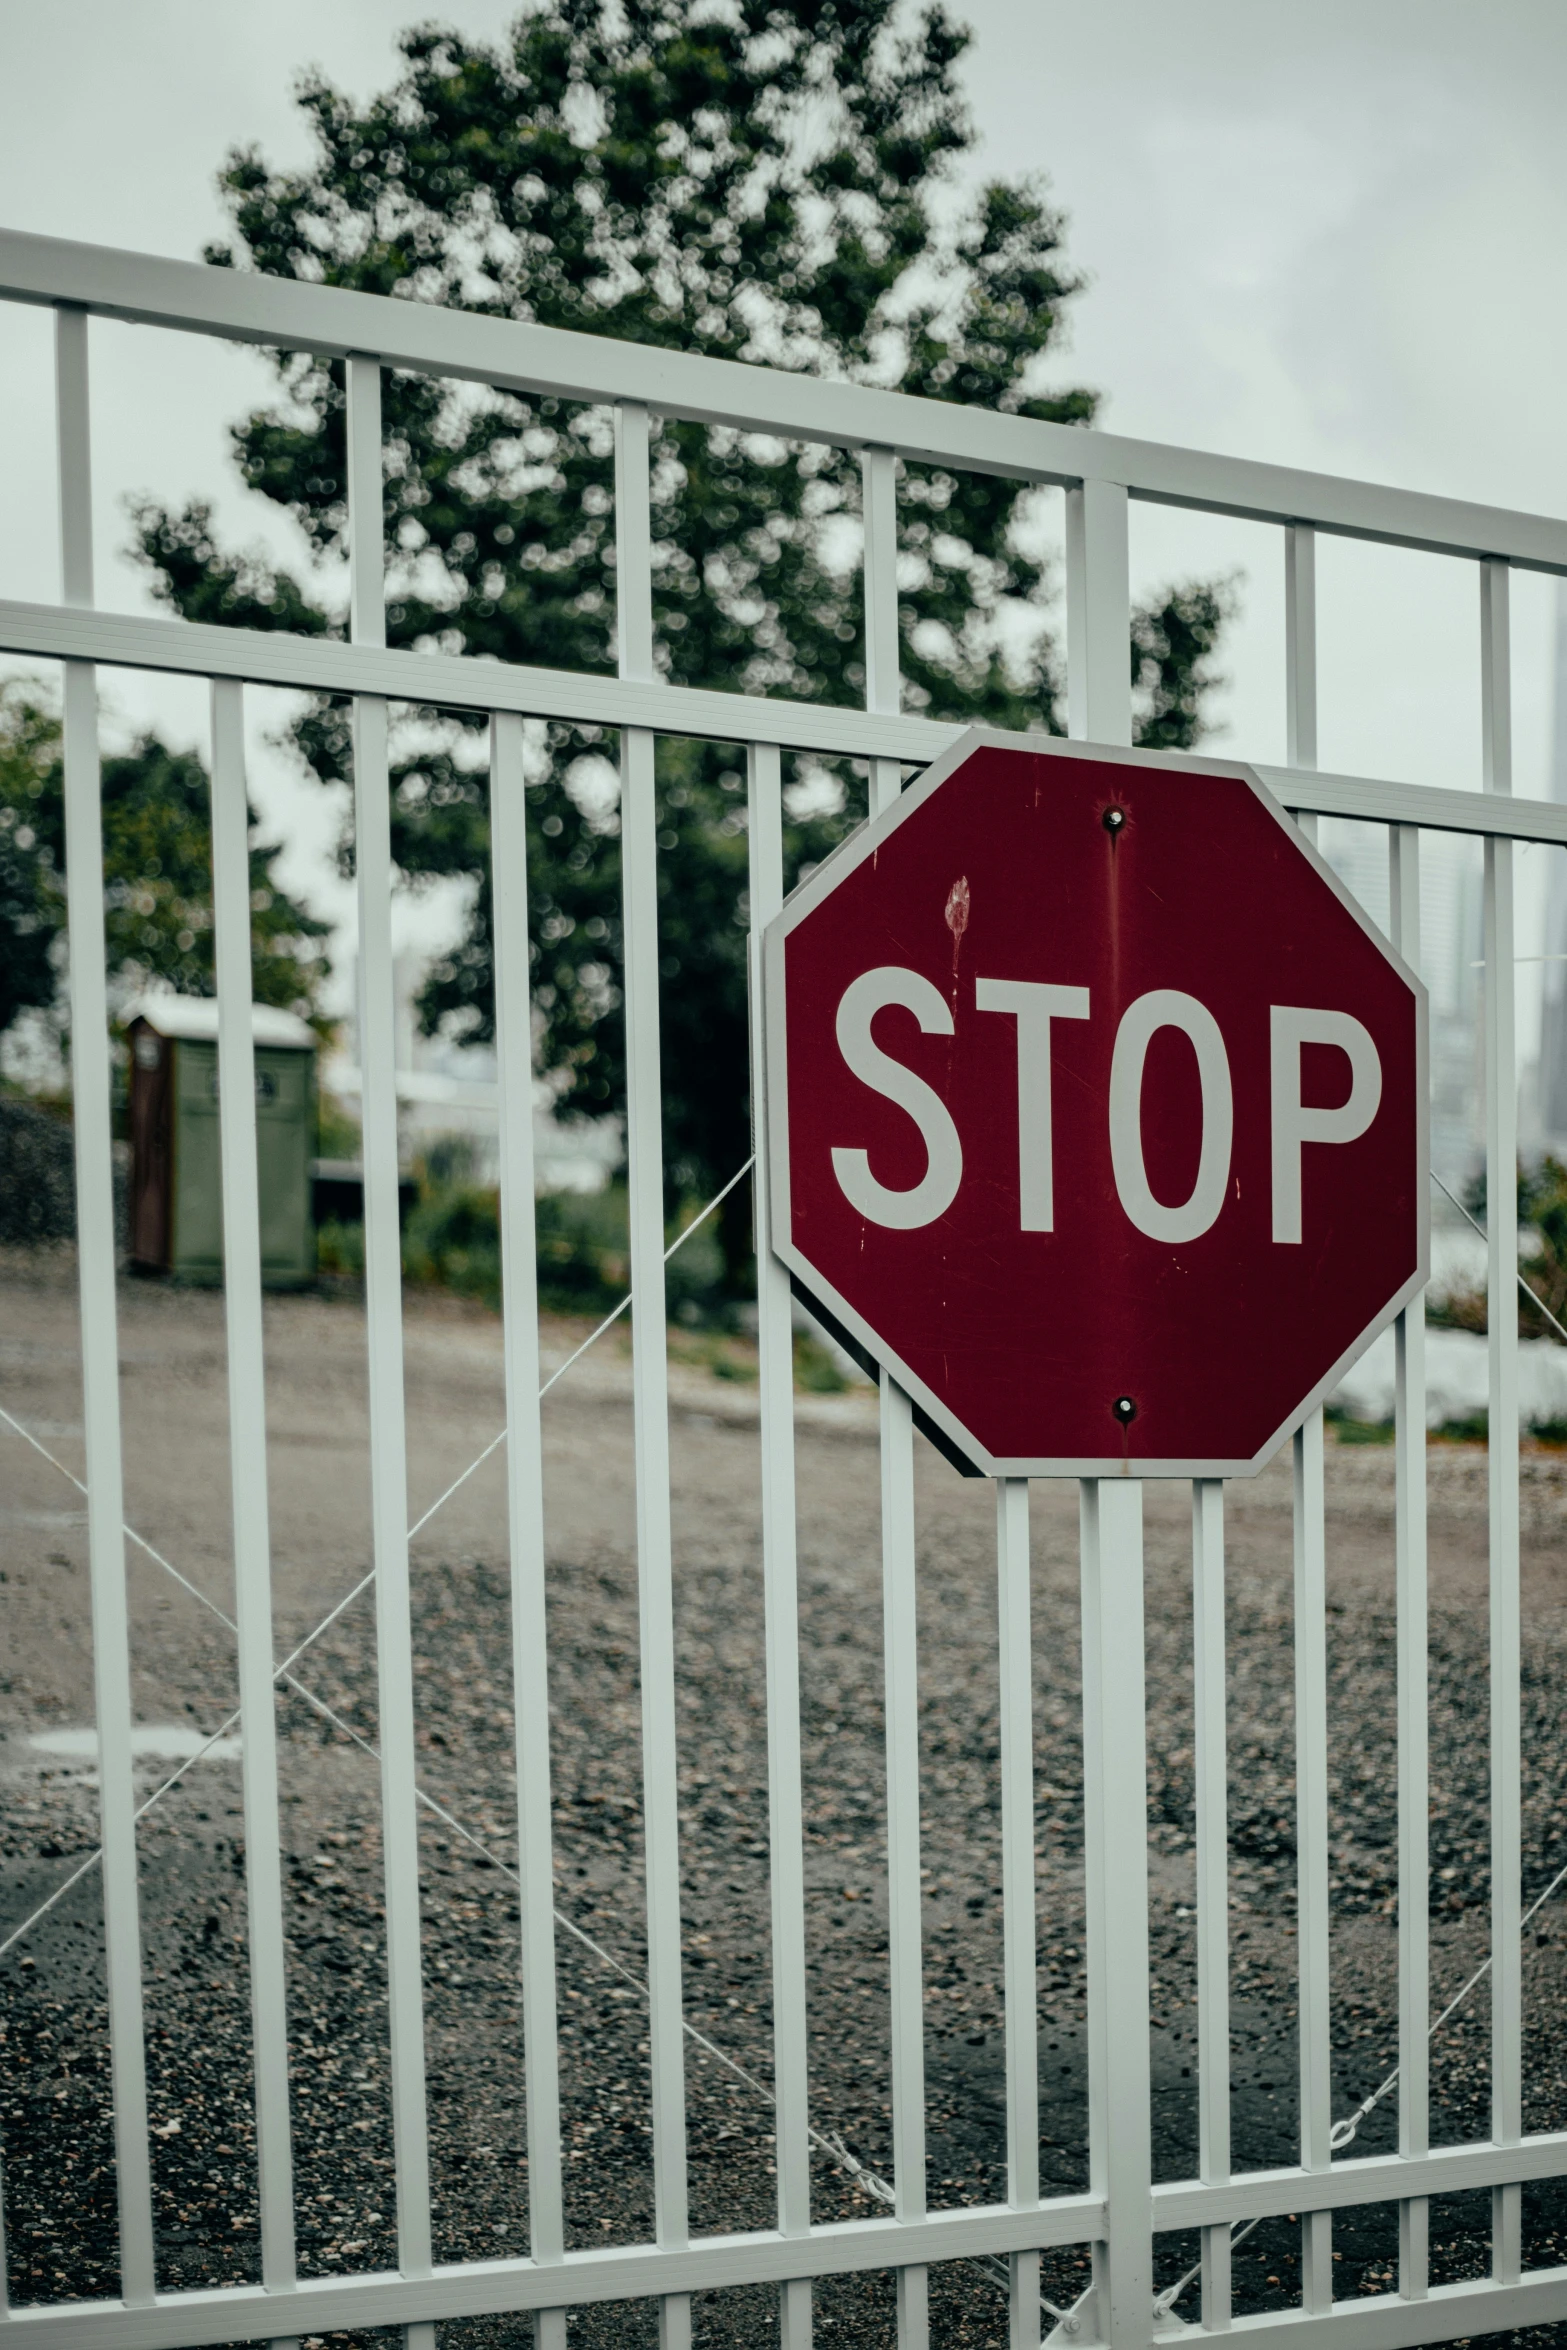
[{"x": 835, "y": 869}]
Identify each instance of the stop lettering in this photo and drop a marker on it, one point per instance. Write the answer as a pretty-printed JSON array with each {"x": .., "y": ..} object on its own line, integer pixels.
[{"x": 1096, "y": 1110}]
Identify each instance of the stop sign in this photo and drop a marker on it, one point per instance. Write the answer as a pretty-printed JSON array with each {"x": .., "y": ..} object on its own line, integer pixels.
[{"x": 1096, "y": 1109}]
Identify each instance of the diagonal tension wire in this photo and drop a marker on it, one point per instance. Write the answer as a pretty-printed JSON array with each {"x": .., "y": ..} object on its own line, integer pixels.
[
  {"x": 156, "y": 1796},
  {"x": 592, "y": 1339},
  {"x": 495, "y": 1442},
  {"x": 827, "y": 2142},
  {"x": 830, "y": 2143},
  {"x": 284, "y": 1672},
  {"x": 1533, "y": 1295},
  {"x": 1344, "y": 2132},
  {"x": 329, "y": 1713}
]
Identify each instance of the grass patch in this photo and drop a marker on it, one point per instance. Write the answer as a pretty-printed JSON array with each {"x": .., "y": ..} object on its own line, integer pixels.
[
  {"x": 1468, "y": 1428},
  {"x": 1348, "y": 1430},
  {"x": 815, "y": 1370}
]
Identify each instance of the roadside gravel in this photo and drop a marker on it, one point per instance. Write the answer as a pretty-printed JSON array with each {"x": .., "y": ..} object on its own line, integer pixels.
[{"x": 58, "y": 2156}]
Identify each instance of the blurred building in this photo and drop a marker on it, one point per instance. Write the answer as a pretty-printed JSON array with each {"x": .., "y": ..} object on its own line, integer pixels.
[{"x": 448, "y": 1102}]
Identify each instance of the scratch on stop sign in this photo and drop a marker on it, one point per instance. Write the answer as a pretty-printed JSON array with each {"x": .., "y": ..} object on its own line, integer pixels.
[{"x": 957, "y": 915}]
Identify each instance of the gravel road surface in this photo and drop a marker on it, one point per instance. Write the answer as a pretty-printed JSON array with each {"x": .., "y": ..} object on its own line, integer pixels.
[{"x": 55, "y": 2124}]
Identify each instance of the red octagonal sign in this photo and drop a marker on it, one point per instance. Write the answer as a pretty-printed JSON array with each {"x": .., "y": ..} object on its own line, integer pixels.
[{"x": 1096, "y": 1110}]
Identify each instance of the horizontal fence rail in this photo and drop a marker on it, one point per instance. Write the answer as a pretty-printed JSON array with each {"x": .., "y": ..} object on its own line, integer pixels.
[
  {"x": 1124, "y": 2214},
  {"x": 188, "y": 648},
  {"x": 150, "y": 291}
]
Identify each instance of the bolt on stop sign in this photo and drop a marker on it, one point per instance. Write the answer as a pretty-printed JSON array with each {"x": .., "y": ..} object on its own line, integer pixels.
[{"x": 1097, "y": 1110}]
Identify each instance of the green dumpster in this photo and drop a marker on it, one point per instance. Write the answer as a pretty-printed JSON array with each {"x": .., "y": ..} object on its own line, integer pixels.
[{"x": 176, "y": 1163}]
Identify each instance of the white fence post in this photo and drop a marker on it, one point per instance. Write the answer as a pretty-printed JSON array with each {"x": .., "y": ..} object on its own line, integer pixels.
[
  {"x": 89, "y": 1003},
  {"x": 384, "y": 1321},
  {"x": 1014, "y": 1619},
  {"x": 1414, "y": 1867},
  {"x": 248, "y": 1479},
  {"x": 785, "y": 1823},
  {"x": 1098, "y": 613},
  {"x": 650, "y": 1368},
  {"x": 904, "y": 1938},
  {"x": 525, "y": 1503},
  {"x": 1501, "y": 1195},
  {"x": 1300, "y": 645},
  {"x": 1211, "y": 1759},
  {"x": 1115, "y": 1874},
  {"x": 1115, "y": 1798},
  {"x": 1310, "y": 1515},
  {"x": 1311, "y": 1853},
  {"x": 878, "y": 473}
]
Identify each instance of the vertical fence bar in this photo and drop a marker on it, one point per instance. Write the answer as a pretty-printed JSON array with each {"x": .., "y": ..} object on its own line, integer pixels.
[
  {"x": 1098, "y": 608},
  {"x": 1211, "y": 1757},
  {"x": 1501, "y": 1175},
  {"x": 384, "y": 1336},
  {"x": 248, "y": 1481},
  {"x": 650, "y": 1368},
  {"x": 525, "y": 1503},
  {"x": 903, "y": 1841},
  {"x": 89, "y": 1008},
  {"x": 1310, "y": 1511},
  {"x": 785, "y": 1823},
  {"x": 882, "y": 689},
  {"x": 878, "y": 469},
  {"x": 1115, "y": 1873},
  {"x": 1311, "y": 1846},
  {"x": 1414, "y": 1868},
  {"x": 1300, "y": 645},
  {"x": 1115, "y": 1808},
  {"x": 1014, "y": 1618},
  {"x": 879, "y": 491},
  {"x": 1300, "y": 656}
]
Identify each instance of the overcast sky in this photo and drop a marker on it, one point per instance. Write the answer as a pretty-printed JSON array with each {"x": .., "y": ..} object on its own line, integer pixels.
[{"x": 1332, "y": 237}]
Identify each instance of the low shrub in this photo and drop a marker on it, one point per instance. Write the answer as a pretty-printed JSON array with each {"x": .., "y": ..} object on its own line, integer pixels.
[
  {"x": 452, "y": 1240},
  {"x": 815, "y": 1371},
  {"x": 1542, "y": 1213},
  {"x": 584, "y": 1245},
  {"x": 340, "y": 1251},
  {"x": 37, "y": 1174}
]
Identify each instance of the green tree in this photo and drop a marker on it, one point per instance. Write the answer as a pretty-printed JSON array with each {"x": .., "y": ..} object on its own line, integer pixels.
[
  {"x": 157, "y": 859},
  {"x": 771, "y": 184}
]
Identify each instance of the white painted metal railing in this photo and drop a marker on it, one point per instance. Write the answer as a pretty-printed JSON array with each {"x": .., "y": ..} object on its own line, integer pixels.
[{"x": 1122, "y": 2212}]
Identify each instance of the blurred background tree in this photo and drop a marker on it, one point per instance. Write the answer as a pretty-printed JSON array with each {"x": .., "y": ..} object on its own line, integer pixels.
[
  {"x": 157, "y": 862},
  {"x": 775, "y": 184}
]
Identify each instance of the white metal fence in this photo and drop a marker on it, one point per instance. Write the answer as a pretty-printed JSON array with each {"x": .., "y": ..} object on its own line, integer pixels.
[{"x": 1122, "y": 2212}]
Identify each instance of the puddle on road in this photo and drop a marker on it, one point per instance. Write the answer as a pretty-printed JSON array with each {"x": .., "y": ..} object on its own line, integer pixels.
[{"x": 150, "y": 1742}]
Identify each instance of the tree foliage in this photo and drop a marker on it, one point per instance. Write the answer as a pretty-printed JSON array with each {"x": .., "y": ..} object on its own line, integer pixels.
[
  {"x": 157, "y": 870},
  {"x": 774, "y": 182}
]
